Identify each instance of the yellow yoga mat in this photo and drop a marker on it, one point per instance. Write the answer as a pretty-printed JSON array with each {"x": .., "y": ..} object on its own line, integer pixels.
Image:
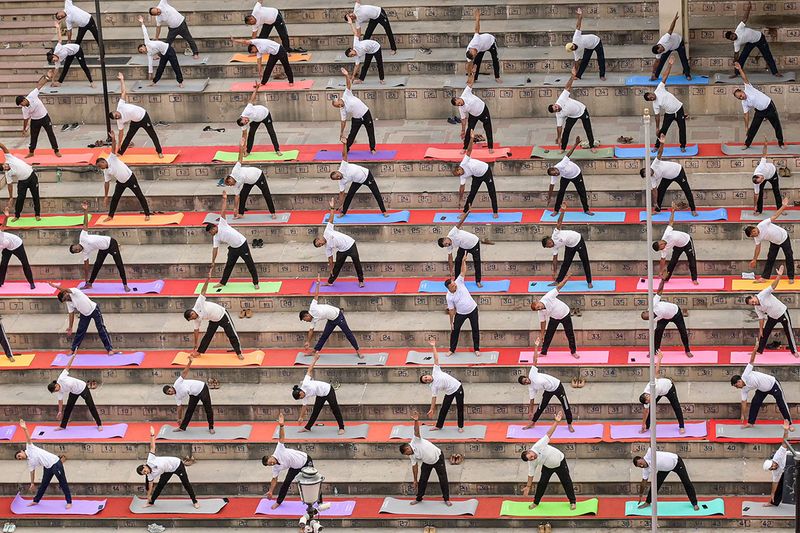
[
  {"x": 750, "y": 285},
  {"x": 221, "y": 359},
  {"x": 20, "y": 361},
  {"x": 146, "y": 159},
  {"x": 138, "y": 220},
  {"x": 248, "y": 58}
]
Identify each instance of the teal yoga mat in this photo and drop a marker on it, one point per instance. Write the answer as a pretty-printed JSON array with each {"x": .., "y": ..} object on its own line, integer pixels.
[{"x": 684, "y": 508}]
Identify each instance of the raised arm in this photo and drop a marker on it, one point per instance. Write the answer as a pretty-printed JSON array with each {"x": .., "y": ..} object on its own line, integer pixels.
[
  {"x": 24, "y": 427},
  {"x": 747, "y": 10},
  {"x": 560, "y": 217},
  {"x": 659, "y": 357},
  {"x": 536, "y": 344},
  {"x": 435, "y": 352},
  {"x": 316, "y": 287},
  {"x": 463, "y": 217},
  {"x": 477, "y": 21},
  {"x": 186, "y": 369},
  {"x": 85, "y": 206},
  {"x": 123, "y": 92},
  {"x": 254, "y": 95},
  {"x": 240, "y": 41},
  {"x": 672, "y": 214},
  {"x": 58, "y": 32},
  {"x": 778, "y": 277},
  {"x": 782, "y": 208},
  {"x": 573, "y": 76},
  {"x": 355, "y": 29},
  {"x": 471, "y": 78},
  {"x": 48, "y": 77},
  {"x": 575, "y": 147},
  {"x": 765, "y": 148},
  {"x": 580, "y": 19},
  {"x": 152, "y": 439},
  {"x": 660, "y": 152},
  {"x": 563, "y": 282},
  {"x": 415, "y": 418},
  {"x": 471, "y": 143},
  {"x": 670, "y": 62},
  {"x": 674, "y": 20},
  {"x": 741, "y": 72},
  {"x": 224, "y": 205},
  {"x": 556, "y": 421},
  {"x": 242, "y": 149},
  {"x": 310, "y": 371},
  {"x": 281, "y": 432},
  {"x": 4, "y": 149}
]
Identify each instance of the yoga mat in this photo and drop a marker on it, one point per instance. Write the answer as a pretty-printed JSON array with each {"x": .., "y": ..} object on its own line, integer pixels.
[
  {"x": 148, "y": 159},
  {"x": 580, "y": 216},
  {"x": 171, "y": 86},
  {"x": 667, "y": 508},
  {"x": 183, "y": 506},
  {"x": 138, "y": 220},
  {"x": 209, "y": 360},
  {"x": 754, "y": 286},
  {"x": 455, "y": 154},
  {"x": 686, "y": 216},
  {"x": 627, "y": 152},
  {"x": 555, "y": 509},
  {"x": 20, "y": 361},
  {"x": 356, "y": 155},
  {"x": 294, "y": 57},
  {"x": 74, "y": 432},
  {"x": 249, "y": 219},
  {"x": 100, "y": 360},
  {"x": 791, "y": 215},
  {"x": 756, "y": 150},
  {"x": 241, "y": 287},
  {"x": 488, "y": 82},
  {"x": 503, "y": 217},
  {"x": 370, "y": 83},
  {"x": 14, "y": 288},
  {"x": 101, "y": 288},
  {"x": 665, "y": 431},
  {"x": 429, "y": 507},
  {"x": 140, "y": 60},
  {"x": 582, "y": 431},
  {"x": 50, "y": 159},
  {"x": 598, "y": 285},
  {"x": 674, "y": 357},
  {"x": 405, "y": 54},
  {"x": 298, "y": 509},
  {"x": 757, "y": 509},
  {"x": 754, "y": 77},
  {"x": 56, "y": 507},
  {"x": 79, "y": 89},
  {"x": 644, "y": 79},
  {"x": 437, "y": 287},
  {"x": 757, "y": 432},
  {"x": 351, "y": 287},
  {"x": 458, "y": 358},
  {"x": 563, "y": 357},
  {"x": 343, "y": 359},
  {"x": 247, "y": 86},
  {"x": 554, "y": 153},
  {"x": 7, "y": 432},
  {"x": 684, "y": 284},
  {"x": 200, "y": 432},
  {"x": 54, "y": 221},
  {"x": 448, "y": 432},
  {"x": 769, "y": 357},
  {"x": 329, "y": 432},
  {"x": 591, "y": 81},
  {"x": 369, "y": 218},
  {"x": 255, "y": 157}
]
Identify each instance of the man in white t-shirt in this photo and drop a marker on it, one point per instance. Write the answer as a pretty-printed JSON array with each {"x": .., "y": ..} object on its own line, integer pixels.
[
  {"x": 566, "y": 172},
  {"x": 443, "y": 383},
  {"x": 319, "y": 392},
  {"x": 17, "y": 170},
  {"x": 478, "y": 46},
  {"x": 662, "y": 175},
  {"x": 356, "y": 176},
  {"x": 241, "y": 181},
  {"x": 552, "y": 313},
  {"x": 350, "y": 106},
  {"x": 552, "y": 461},
  {"x": 332, "y": 316},
  {"x": 167, "y": 15},
  {"x": 74, "y": 16},
  {"x": 372, "y": 15},
  {"x": 465, "y": 243},
  {"x": 74, "y": 389},
  {"x": 423, "y": 452},
  {"x": 662, "y": 464},
  {"x": 79, "y": 303},
  {"x": 572, "y": 242},
  {"x": 35, "y": 116},
  {"x": 472, "y": 110},
  {"x": 222, "y": 233},
  {"x": 764, "y": 385},
  {"x": 217, "y": 317},
  {"x": 778, "y": 239},
  {"x": 668, "y": 43},
  {"x": 664, "y": 313},
  {"x": 680, "y": 243},
  {"x": 461, "y": 307},
  {"x": 765, "y": 174},
  {"x": 480, "y": 173},
  {"x": 771, "y": 312},
  {"x": 275, "y": 51},
  {"x": 263, "y": 19},
  {"x": 568, "y": 111},
  {"x": 190, "y": 391},
  {"x": 363, "y": 51},
  {"x": 283, "y": 458},
  {"x": 582, "y": 46},
  {"x": 665, "y": 101},
  {"x": 12, "y": 245},
  {"x": 163, "y": 468},
  {"x": 746, "y": 39},
  {"x": 763, "y": 107},
  {"x": 342, "y": 246},
  {"x": 548, "y": 385},
  {"x": 51, "y": 466},
  {"x": 253, "y": 116},
  {"x": 62, "y": 55},
  {"x": 777, "y": 467},
  {"x": 104, "y": 246},
  {"x": 664, "y": 388},
  {"x": 164, "y": 52},
  {"x": 114, "y": 169},
  {"x": 135, "y": 118}
]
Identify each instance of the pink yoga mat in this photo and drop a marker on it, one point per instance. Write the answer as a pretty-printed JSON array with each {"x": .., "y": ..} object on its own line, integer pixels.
[
  {"x": 22, "y": 288},
  {"x": 56, "y": 507},
  {"x": 769, "y": 357},
  {"x": 76, "y": 432},
  {"x": 665, "y": 431},
  {"x": 454, "y": 154},
  {"x": 563, "y": 357},
  {"x": 298, "y": 509},
  {"x": 582, "y": 431},
  {"x": 101, "y": 288},
  {"x": 347, "y": 287},
  {"x": 7, "y": 432},
  {"x": 684, "y": 284},
  {"x": 100, "y": 360},
  {"x": 356, "y": 155},
  {"x": 674, "y": 357}
]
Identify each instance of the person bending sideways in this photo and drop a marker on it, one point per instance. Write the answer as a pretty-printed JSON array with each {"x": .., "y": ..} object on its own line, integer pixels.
[
  {"x": 283, "y": 458},
  {"x": 114, "y": 169},
  {"x": 164, "y": 52},
  {"x": 217, "y": 317},
  {"x": 74, "y": 388},
  {"x": 764, "y": 385},
  {"x": 263, "y": 19},
  {"x": 549, "y": 386},
  {"x": 777, "y": 466},
  {"x": 771, "y": 312},
  {"x": 680, "y": 243},
  {"x": 35, "y": 116},
  {"x": 275, "y": 51},
  {"x": 552, "y": 313},
  {"x": 356, "y": 176},
  {"x": 441, "y": 382},
  {"x": 5, "y": 344},
  {"x": 333, "y": 317},
  {"x": 572, "y": 242},
  {"x": 364, "y": 50},
  {"x": 763, "y": 108},
  {"x": 664, "y": 388},
  {"x": 666, "y": 312},
  {"x": 319, "y": 392},
  {"x": 665, "y": 101},
  {"x": 778, "y": 239},
  {"x": 552, "y": 461},
  {"x": 568, "y": 111},
  {"x": 425, "y": 453},
  {"x": 473, "y": 110},
  {"x": 343, "y": 246},
  {"x": 480, "y": 172},
  {"x": 668, "y": 43},
  {"x": 567, "y": 172},
  {"x": 242, "y": 179},
  {"x": 662, "y": 175},
  {"x": 765, "y": 174},
  {"x": 76, "y": 17},
  {"x": 135, "y": 118},
  {"x": 372, "y": 16},
  {"x": 62, "y": 56},
  {"x": 167, "y": 15},
  {"x": 51, "y": 464},
  {"x": 78, "y": 302},
  {"x": 466, "y": 243},
  {"x": 746, "y": 39},
  {"x": 663, "y": 463},
  {"x": 478, "y": 46},
  {"x": 351, "y": 106},
  {"x": 191, "y": 391},
  {"x": 582, "y": 46},
  {"x": 461, "y": 307},
  {"x": 17, "y": 170},
  {"x": 163, "y": 468},
  {"x": 104, "y": 246},
  {"x": 10, "y": 245},
  {"x": 254, "y": 115},
  {"x": 223, "y": 233}
]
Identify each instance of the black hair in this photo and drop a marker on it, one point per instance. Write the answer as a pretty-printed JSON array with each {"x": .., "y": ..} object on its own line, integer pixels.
[
  {"x": 100, "y": 159},
  {"x": 544, "y": 241},
  {"x": 735, "y": 379},
  {"x": 332, "y": 173},
  {"x": 252, "y": 48},
  {"x": 643, "y": 398},
  {"x": 151, "y": 11},
  {"x": 304, "y": 314},
  {"x": 19, "y": 100},
  {"x": 453, "y": 100},
  {"x": 111, "y": 115},
  {"x": 209, "y": 225},
  {"x": 655, "y": 50},
  {"x": 296, "y": 390},
  {"x": 61, "y": 296},
  {"x": 645, "y": 95},
  {"x": 247, "y": 17},
  {"x": 470, "y": 55},
  {"x": 71, "y": 249},
  {"x": 422, "y": 376},
  {"x": 16, "y": 453},
  {"x": 748, "y": 230},
  {"x": 347, "y": 51},
  {"x": 524, "y": 455},
  {"x": 755, "y": 179},
  {"x": 551, "y": 108},
  {"x": 729, "y": 34},
  {"x": 447, "y": 282},
  {"x": 403, "y": 447},
  {"x": 51, "y": 386},
  {"x": 166, "y": 389},
  {"x": 656, "y": 246},
  {"x": 50, "y": 56},
  {"x": 239, "y": 122},
  {"x": 519, "y": 380},
  {"x": 441, "y": 242},
  {"x": 264, "y": 460},
  {"x": 188, "y": 314},
  {"x": 642, "y": 172},
  {"x": 140, "y": 470},
  {"x": 636, "y": 458}
]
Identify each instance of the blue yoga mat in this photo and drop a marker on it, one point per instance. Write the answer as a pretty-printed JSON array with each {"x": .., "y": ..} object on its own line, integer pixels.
[
  {"x": 370, "y": 218},
  {"x": 482, "y": 218},
  {"x": 686, "y": 216},
  {"x": 624, "y": 152},
  {"x": 672, "y": 80},
  {"x": 438, "y": 287},
  {"x": 599, "y": 285},
  {"x": 579, "y": 216}
]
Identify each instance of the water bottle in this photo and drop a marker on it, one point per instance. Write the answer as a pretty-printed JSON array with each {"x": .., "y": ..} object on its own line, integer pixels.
[{"x": 58, "y": 175}]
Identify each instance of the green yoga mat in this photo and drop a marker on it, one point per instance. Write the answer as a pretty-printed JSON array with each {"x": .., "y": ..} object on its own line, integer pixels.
[
  {"x": 558, "y": 509},
  {"x": 579, "y": 154},
  {"x": 47, "y": 222},
  {"x": 241, "y": 287},
  {"x": 254, "y": 157},
  {"x": 711, "y": 507}
]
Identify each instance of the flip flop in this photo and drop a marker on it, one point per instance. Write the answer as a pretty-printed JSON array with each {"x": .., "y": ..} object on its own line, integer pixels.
[
  {"x": 213, "y": 383},
  {"x": 248, "y": 313}
]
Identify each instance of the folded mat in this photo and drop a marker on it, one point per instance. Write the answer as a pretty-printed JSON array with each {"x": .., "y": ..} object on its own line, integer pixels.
[
  {"x": 20, "y": 361},
  {"x": 171, "y": 86},
  {"x": 448, "y": 432},
  {"x": 458, "y": 358},
  {"x": 756, "y": 150},
  {"x": 148, "y": 158},
  {"x": 218, "y": 359},
  {"x": 351, "y": 287},
  {"x": 200, "y": 432},
  {"x": 672, "y": 80},
  {"x": 672, "y": 508},
  {"x": 369, "y": 218},
  {"x": 769, "y": 357},
  {"x": 356, "y": 155},
  {"x": 753, "y": 77},
  {"x": 7, "y": 432},
  {"x": 241, "y": 287},
  {"x": 138, "y": 220},
  {"x": 297, "y": 509},
  {"x": 100, "y": 288},
  {"x": 559, "y": 509},
  {"x": 503, "y": 217},
  {"x": 686, "y": 216},
  {"x": 580, "y": 216},
  {"x": 247, "y": 86},
  {"x": 255, "y": 157},
  {"x": 793, "y": 215},
  {"x": 56, "y": 507},
  {"x": 758, "y": 509},
  {"x": 598, "y": 285},
  {"x": 637, "y": 152},
  {"x": 454, "y": 154},
  {"x": 372, "y": 82},
  {"x": 675, "y": 357},
  {"x": 113, "y": 431},
  {"x": 173, "y": 506},
  {"x": 294, "y": 57},
  {"x": 582, "y": 431},
  {"x": 344, "y": 359},
  {"x": 684, "y": 284},
  {"x": 554, "y": 153},
  {"x": 757, "y": 432},
  {"x": 403, "y": 54},
  {"x": 14, "y": 288},
  {"x": 665, "y": 431},
  {"x": 324, "y": 432},
  {"x": 563, "y": 357},
  {"x": 437, "y": 287},
  {"x": 429, "y": 507},
  {"x": 54, "y": 221},
  {"x": 100, "y": 360}
]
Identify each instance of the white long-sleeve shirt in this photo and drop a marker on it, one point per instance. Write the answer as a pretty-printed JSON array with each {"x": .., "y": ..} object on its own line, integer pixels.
[
  {"x": 154, "y": 48},
  {"x": 169, "y": 15}
]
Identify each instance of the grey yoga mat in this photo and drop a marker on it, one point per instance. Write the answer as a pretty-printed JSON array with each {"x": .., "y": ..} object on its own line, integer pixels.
[
  {"x": 80, "y": 88},
  {"x": 328, "y": 431},
  {"x": 757, "y": 509},
  {"x": 175, "y": 506},
  {"x": 429, "y": 507},
  {"x": 343, "y": 359},
  {"x": 170, "y": 86},
  {"x": 371, "y": 82},
  {"x": 487, "y": 81},
  {"x": 758, "y": 431},
  {"x": 756, "y": 150},
  {"x": 458, "y": 358},
  {"x": 554, "y": 80},
  {"x": 446, "y": 433},
  {"x": 787, "y": 215},
  {"x": 753, "y": 77},
  {"x": 255, "y": 218},
  {"x": 201, "y": 433},
  {"x": 401, "y": 55}
]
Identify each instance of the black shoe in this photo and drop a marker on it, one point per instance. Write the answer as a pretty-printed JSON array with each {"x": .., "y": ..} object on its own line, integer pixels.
[
  {"x": 298, "y": 50},
  {"x": 65, "y": 127}
]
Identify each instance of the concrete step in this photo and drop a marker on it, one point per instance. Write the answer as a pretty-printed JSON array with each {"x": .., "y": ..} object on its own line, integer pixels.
[{"x": 382, "y": 529}]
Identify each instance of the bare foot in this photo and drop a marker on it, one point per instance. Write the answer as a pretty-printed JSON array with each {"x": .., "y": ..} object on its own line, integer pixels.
[
  {"x": 240, "y": 356},
  {"x": 30, "y": 154},
  {"x": 602, "y": 78},
  {"x": 393, "y": 52},
  {"x": 532, "y": 506},
  {"x": 196, "y": 505},
  {"x": 695, "y": 282},
  {"x": 588, "y": 213},
  {"x": 682, "y": 431},
  {"x": 571, "y": 506},
  {"x": 461, "y": 430},
  {"x": 161, "y": 156},
  {"x": 694, "y": 213},
  {"x": 479, "y": 284},
  {"x": 361, "y": 284},
  {"x": 491, "y": 150},
  {"x": 55, "y": 84},
  {"x": 477, "y": 353},
  {"x": 448, "y": 503},
  {"x": 57, "y": 153},
  {"x": 576, "y": 355},
  {"x": 217, "y": 285},
  {"x": 91, "y": 84},
  {"x": 571, "y": 429},
  {"x": 180, "y": 85},
  {"x": 689, "y": 355},
  {"x": 275, "y": 505},
  {"x": 415, "y": 502},
  {"x": 87, "y": 286},
  {"x": 449, "y": 354},
  {"x": 178, "y": 430},
  {"x": 255, "y": 286},
  {"x": 696, "y": 508},
  {"x": 151, "y": 84},
  {"x": 108, "y": 219},
  {"x": 68, "y": 506},
  {"x": 127, "y": 289},
  {"x": 11, "y": 359},
  {"x": 434, "y": 428},
  {"x": 778, "y": 75},
  {"x": 238, "y": 215},
  {"x": 196, "y": 56},
  {"x": 274, "y": 216},
  {"x": 590, "y": 285},
  {"x": 383, "y": 82},
  {"x": 498, "y": 80},
  {"x": 495, "y": 215},
  {"x": 341, "y": 431},
  {"x": 99, "y": 428},
  {"x": 385, "y": 214},
  {"x": 59, "y": 429},
  {"x": 791, "y": 428},
  {"x": 146, "y": 218},
  {"x": 360, "y": 355}
]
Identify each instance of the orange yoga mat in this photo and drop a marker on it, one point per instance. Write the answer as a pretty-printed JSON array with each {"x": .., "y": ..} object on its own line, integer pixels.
[
  {"x": 247, "y": 86},
  {"x": 251, "y": 58},
  {"x": 82, "y": 158},
  {"x": 454, "y": 154},
  {"x": 221, "y": 359},
  {"x": 138, "y": 220},
  {"x": 146, "y": 158}
]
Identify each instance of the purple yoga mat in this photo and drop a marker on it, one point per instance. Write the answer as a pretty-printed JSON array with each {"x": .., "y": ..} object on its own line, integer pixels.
[
  {"x": 56, "y": 507},
  {"x": 76, "y": 432},
  {"x": 665, "y": 431},
  {"x": 7, "y": 432},
  {"x": 101, "y": 288},
  {"x": 582, "y": 431},
  {"x": 298, "y": 509},
  {"x": 346, "y": 287},
  {"x": 101, "y": 360},
  {"x": 356, "y": 155}
]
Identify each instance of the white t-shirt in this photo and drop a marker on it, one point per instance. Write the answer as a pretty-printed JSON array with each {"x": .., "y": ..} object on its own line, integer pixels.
[
  {"x": 227, "y": 235},
  {"x": 336, "y": 241},
  {"x": 76, "y": 17},
  {"x": 351, "y": 173},
  {"x": 780, "y": 459},
  {"x": 263, "y": 15},
  {"x": 80, "y": 303},
  {"x": 92, "y": 243},
  {"x": 117, "y": 170},
  {"x": 18, "y": 170},
  {"x": 242, "y": 175},
  {"x": 39, "y": 457},
  {"x": 769, "y": 305},
  {"x": 674, "y": 238},
  {"x": 185, "y": 388},
  {"x": 461, "y": 300},
  {"x": 565, "y": 237},
  {"x": 553, "y": 307},
  {"x": 288, "y": 458},
  {"x": 767, "y": 231},
  {"x": 481, "y": 42},
  {"x": 755, "y": 381},
  {"x": 546, "y": 455},
  {"x": 69, "y": 385},
  {"x": 461, "y": 239},
  {"x": 63, "y": 51},
  {"x": 569, "y": 108},
  {"x": 322, "y": 312},
  {"x": 9, "y": 241},
  {"x": 314, "y": 388},
  {"x": 154, "y": 48},
  {"x": 265, "y": 47},
  {"x": 443, "y": 382},
  {"x": 583, "y": 41},
  {"x": 365, "y": 13},
  {"x": 670, "y": 42},
  {"x": 472, "y": 104},
  {"x": 363, "y": 47},
  {"x": 254, "y": 113},
  {"x": 541, "y": 382},
  {"x": 169, "y": 15},
  {"x": 755, "y": 99},
  {"x": 35, "y": 109},
  {"x": 664, "y": 462},
  {"x": 160, "y": 465},
  {"x": 668, "y": 170},
  {"x": 764, "y": 169},
  {"x": 129, "y": 113},
  {"x": 745, "y": 35},
  {"x": 425, "y": 452},
  {"x": 207, "y": 311},
  {"x": 663, "y": 386},
  {"x": 664, "y": 310},
  {"x": 566, "y": 169},
  {"x": 665, "y": 101},
  {"x": 472, "y": 168},
  {"x": 353, "y": 106}
]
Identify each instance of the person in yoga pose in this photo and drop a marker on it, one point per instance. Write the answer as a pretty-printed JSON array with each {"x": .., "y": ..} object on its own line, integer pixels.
[
  {"x": 51, "y": 464},
  {"x": 319, "y": 392},
  {"x": 552, "y": 461}
]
